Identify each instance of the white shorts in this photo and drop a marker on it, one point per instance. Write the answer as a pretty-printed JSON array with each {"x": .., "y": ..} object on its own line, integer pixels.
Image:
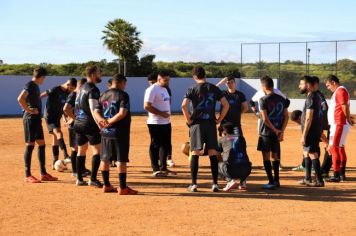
[{"x": 338, "y": 134}]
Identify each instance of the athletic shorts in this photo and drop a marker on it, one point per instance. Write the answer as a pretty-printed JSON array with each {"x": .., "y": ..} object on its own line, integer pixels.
[
  {"x": 87, "y": 133},
  {"x": 72, "y": 137},
  {"x": 312, "y": 144},
  {"x": 33, "y": 129},
  {"x": 53, "y": 123},
  {"x": 338, "y": 134},
  {"x": 115, "y": 148},
  {"x": 203, "y": 133},
  {"x": 268, "y": 144}
]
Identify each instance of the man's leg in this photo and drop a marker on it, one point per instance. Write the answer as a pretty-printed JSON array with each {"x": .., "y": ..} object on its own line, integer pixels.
[
  {"x": 154, "y": 147},
  {"x": 95, "y": 163},
  {"x": 316, "y": 164},
  {"x": 28, "y": 157},
  {"x": 164, "y": 145},
  {"x": 55, "y": 149},
  {"x": 80, "y": 162},
  {"x": 275, "y": 164},
  {"x": 268, "y": 166},
  {"x": 59, "y": 135}
]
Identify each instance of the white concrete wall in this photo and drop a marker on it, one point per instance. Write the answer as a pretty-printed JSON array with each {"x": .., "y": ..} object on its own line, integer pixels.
[{"x": 297, "y": 104}]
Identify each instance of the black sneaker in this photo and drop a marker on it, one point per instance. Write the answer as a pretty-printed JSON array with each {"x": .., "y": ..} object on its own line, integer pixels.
[
  {"x": 95, "y": 183},
  {"x": 277, "y": 184},
  {"x": 334, "y": 179}
]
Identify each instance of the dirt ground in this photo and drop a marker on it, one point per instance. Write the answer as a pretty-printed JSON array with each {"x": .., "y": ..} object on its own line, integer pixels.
[{"x": 164, "y": 207}]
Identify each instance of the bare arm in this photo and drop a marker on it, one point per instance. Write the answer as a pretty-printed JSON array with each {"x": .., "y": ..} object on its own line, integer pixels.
[
  {"x": 284, "y": 125},
  {"x": 308, "y": 121},
  {"x": 44, "y": 94},
  {"x": 244, "y": 107},
  {"x": 185, "y": 110},
  {"x": 221, "y": 82},
  {"x": 346, "y": 110},
  {"x": 148, "y": 107},
  {"x": 225, "y": 108},
  {"x": 119, "y": 116},
  {"x": 68, "y": 111}
]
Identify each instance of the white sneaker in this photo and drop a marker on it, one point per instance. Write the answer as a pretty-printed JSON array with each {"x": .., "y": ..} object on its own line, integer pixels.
[
  {"x": 170, "y": 163},
  {"x": 243, "y": 186},
  {"x": 230, "y": 185},
  {"x": 193, "y": 188},
  {"x": 159, "y": 174},
  {"x": 215, "y": 188}
]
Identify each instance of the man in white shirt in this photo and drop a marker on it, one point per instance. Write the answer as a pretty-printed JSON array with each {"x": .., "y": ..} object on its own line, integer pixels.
[{"x": 157, "y": 104}]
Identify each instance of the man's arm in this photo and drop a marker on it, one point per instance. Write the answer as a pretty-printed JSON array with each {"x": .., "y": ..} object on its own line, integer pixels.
[
  {"x": 221, "y": 82},
  {"x": 269, "y": 124},
  {"x": 225, "y": 108},
  {"x": 308, "y": 121},
  {"x": 22, "y": 101},
  {"x": 346, "y": 110},
  {"x": 119, "y": 116},
  {"x": 185, "y": 110},
  {"x": 148, "y": 107},
  {"x": 284, "y": 125},
  {"x": 244, "y": 107}
]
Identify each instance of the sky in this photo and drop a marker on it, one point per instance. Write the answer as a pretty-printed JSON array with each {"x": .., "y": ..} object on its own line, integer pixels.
[{"x": 49, "y": 31}]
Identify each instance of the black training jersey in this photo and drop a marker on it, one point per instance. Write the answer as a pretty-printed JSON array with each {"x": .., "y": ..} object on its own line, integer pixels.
[
  {"x": 204, "y": 97},
  {"x": 33, "y": 99},
  {"x": 57, "y": 97},
  {"x": 82, "y": 109},
  {"x": 324, "y": 109},
  {"x": 110, "y": 103},
  {"x": 235, "y": 101},
  {"x": 274, "y": 105},
  {"x": 71, "y": 99},
  {"x": 313, "y": 102}
]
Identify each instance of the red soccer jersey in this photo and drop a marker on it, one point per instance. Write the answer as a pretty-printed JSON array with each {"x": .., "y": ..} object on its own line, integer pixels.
[{"x": 335, "y": 114}]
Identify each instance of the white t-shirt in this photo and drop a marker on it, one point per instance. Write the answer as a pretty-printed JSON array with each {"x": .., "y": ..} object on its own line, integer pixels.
[{"x": 159, "y": 98}]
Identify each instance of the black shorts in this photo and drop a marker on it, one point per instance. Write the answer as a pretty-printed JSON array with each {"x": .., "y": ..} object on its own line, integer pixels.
[
  {"x": 204, "y": 132},
  {"x": 33, "y": 129},
  {"x": 268, "y": 144},
  {"x": 87, "y": 133},
  {"x": 312, "y": 144},
  {"x": 72, "y": 137},
  {"x": 238, "y": 171},
  {"x": 115, "y": 148},
  {"x": 53, "y": 123}
]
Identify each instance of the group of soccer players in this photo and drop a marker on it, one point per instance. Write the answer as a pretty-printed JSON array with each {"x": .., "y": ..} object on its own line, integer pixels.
[{"x": 103, "y": 121}]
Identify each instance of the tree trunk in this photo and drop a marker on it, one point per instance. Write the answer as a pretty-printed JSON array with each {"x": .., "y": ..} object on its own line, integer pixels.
[
  {"x": 124, "y": 67},
  {"x": 119, "y": 65}
]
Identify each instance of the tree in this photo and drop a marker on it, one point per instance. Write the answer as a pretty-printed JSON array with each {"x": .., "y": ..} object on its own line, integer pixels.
[{"x": 122, "y": 39}]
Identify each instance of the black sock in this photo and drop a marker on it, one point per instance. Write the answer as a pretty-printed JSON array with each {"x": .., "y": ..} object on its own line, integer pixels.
[
  {"x": 55, "y": 152},
  {"x": 343, "y": 171},
  {"x": 268, "y": 169},
  {"x": 63, "y": 146},
  {"x": 42, "y": 158},
  {"x": 105, "y": 174},
  {"x": 122, "y": 179},
  {"x": 317, "y": 169},
  {"x": 194, "y": 165},
  {"x": 336, "y": 174},
  {"x": 27, "y": 157},
  {"x": 214, "y": 168},
  {"x": 73, "y": 161},
  {"x": 80, "y": 167},
  {"x": 276, "y": 170},
  {"x": 95, "y": 163},
  {"x": 308, "y": 168},
  {"x": 303, "y": 162}
]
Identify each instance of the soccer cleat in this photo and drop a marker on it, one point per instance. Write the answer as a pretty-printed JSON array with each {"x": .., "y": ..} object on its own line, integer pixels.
[
  {"x": 243, "y": 186},
  {"x": 269, "y": 186},
  {"x": 298, "y": 168},
  {"x": 304, "y": 182},
  {"x": 109, "y": 189},
  {"x": 31, "y": 179},
  {"x": 81, "y": 183},
  {"x": 316, "y": 184},
  {"x": 127, "y": 191},
  {"x": 67, "y": 160},
  {"x": 95, "y": 183},
  {"x": 333, "y": 179},
  {"x": 160, "y": 174},
  {"x": 277, "y": 184},
  {"x": 215, "y": 188},
  {"x": 193, "y": 188},
  {"x": 230, "y": 185},
  {"x": 170, "y": 163},
  {"x": 48, "y": 177}
]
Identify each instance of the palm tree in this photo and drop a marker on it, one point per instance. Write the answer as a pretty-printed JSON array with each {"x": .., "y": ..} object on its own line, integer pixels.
[{"x": 122, "y": 39}]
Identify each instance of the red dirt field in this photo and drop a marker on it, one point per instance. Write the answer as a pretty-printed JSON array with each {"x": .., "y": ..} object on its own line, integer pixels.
[{"x": 164, "y": 207}]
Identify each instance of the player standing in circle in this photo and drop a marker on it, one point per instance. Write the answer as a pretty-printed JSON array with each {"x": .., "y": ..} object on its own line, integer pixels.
[
  {"x": 157, "y": 104},
  {"x": 274, "y": 113},
  {"x": 114, "y": 109},
  {"x": 311, "y": 123},
  {"x": 30, "y": 101},
  {"x": 57, "y": 97},
  {"x": 86, "y": 127},
  {"x": 202, "y": 123},
  {"x": 340, "y": 122}
]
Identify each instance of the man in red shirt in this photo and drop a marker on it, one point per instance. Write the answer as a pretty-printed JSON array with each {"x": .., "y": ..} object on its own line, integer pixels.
[{"x": 340, "y": 122}]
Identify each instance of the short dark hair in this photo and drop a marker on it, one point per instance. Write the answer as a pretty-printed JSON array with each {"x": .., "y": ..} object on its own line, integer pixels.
[
  {"x": 119, "y": 78},
  {"x": 199, "y": 72},
  {"x": 38, "y": 72},
  {"x": 228, "y": 127},
  {"x": 309, "y": 79},
  {"x": 316, "y": 79},
  {"x": 83, "y": 81},
  {"x": 91, "y": 69},
  {"x": 163, "y": 73},
  {"x": 267, "y": 82},
  {"x": 332, "y": 78},
  {"x": 73, "y": 82},
  {"x": 295, "y": 115},
  {"x": 230, "y": 78},
  {"x": 152, "y": 77},
  {"x": 110, "y": 82}
]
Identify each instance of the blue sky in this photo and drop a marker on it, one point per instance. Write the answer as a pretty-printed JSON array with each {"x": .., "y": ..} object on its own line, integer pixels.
[{"x": 69, "y": 31}]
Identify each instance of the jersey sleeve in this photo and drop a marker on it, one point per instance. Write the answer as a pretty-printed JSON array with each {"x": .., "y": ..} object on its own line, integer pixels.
[
  {"x": 218, "y": 94},
  {"x": 263, "y": 104},
  {"x": 149, "y": 95},
  {"x": 189, "y": 94},
  {"x": 99, "y": 105},
  {"x": 125, "y": 102},
  {"x": 310, "y": 103},
  {"x": 94, "y": 94},
  {"x": 28, "y": 88},
  {"x": 342, "y": 96},
  {"x": 242, "y": 97}
]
